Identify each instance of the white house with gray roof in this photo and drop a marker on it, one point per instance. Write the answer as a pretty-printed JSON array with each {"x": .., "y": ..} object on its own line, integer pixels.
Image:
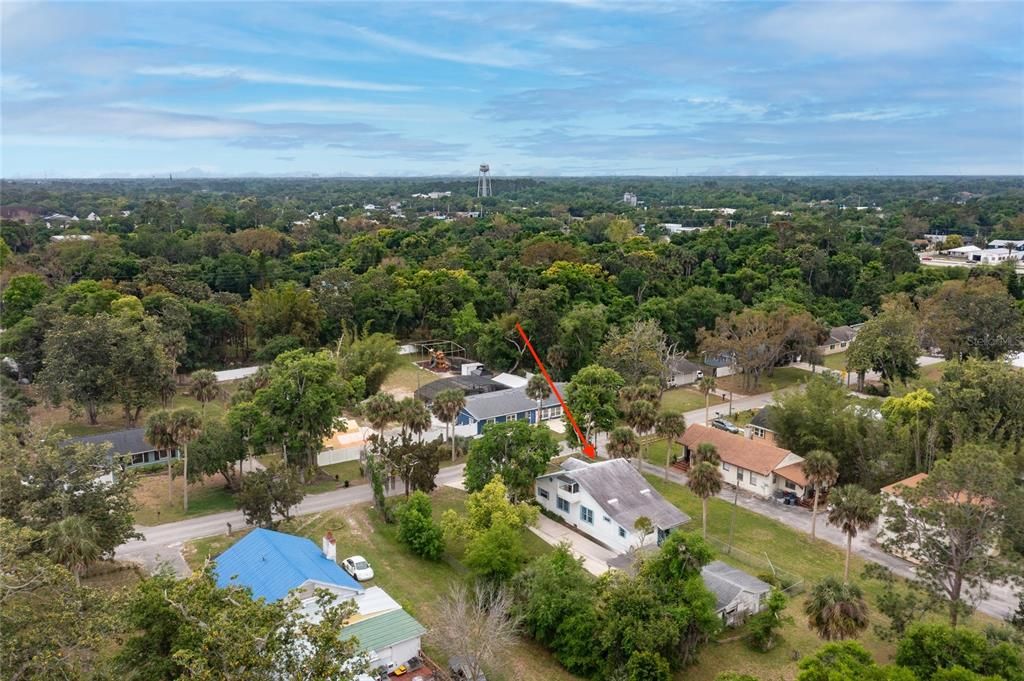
[
  {"x": 505, "y": 405},
  {"x": 738, "y": 595},
  {"x": 603, "y": 501}
]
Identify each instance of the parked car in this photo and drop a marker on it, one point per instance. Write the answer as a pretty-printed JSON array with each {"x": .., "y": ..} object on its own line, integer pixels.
[
  {"x": 358, "y": 567},
  {"x": 461, "y": 670},
  {"x": 926, "y": 258},
  {"x": 728, "y": 426}
]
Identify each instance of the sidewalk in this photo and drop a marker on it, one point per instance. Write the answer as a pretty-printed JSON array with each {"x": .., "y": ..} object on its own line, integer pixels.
[{"x": 595, "y": 557}]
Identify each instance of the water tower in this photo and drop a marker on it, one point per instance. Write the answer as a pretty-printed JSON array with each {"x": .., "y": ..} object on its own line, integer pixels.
[{"x": 483, "y": 181}]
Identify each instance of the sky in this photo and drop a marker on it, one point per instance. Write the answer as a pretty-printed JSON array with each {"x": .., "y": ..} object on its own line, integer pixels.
[{"x": 576, "y": 87}]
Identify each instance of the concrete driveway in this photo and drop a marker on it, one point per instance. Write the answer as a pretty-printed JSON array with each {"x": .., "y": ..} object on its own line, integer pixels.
[{"x": 595, "y": 557}]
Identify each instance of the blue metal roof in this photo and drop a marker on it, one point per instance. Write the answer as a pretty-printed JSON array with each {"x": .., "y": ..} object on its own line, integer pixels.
[{"x": 272, "y": 563}]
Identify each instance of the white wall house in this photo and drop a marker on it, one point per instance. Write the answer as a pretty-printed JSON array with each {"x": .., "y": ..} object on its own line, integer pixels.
[
  {"x": 738, "y": 595},
  {"x": 604, "y": 499},
  {"x": 682, "y": 371},
  {"x": 753, "y": 466}
]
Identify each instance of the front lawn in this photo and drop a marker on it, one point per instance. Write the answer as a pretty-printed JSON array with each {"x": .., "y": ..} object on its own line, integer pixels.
[
  {"x": 836, "y": 362},
  {"x": 415, "y": 583},
  {"x": 781, "y": 378},
  {"x": 407, "y": 378},
  {"x": 155, "y": 505},
  {"x": 686, "y": 399},
  {"x": 762, "y": 540}
]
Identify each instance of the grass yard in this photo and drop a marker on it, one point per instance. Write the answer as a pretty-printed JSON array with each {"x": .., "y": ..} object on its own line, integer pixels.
[
  {"x": 932, "y": 372},
  {"x": 781, "y": 378},
  {"x": 415, "y": 583},
  {"x": 155, "y": 505},
  {"x": 407, "y": 378},
  {"x": 836, "y": 361},
  {"x": 793, "y": 551},
  {"x": 686, "y": 399}
]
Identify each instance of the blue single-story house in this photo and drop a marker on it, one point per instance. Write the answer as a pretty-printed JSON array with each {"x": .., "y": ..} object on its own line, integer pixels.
[
  {"x": 127, "y": 447},
  {"x": 274, "y": 564},
  {"x": 507, "y": 405}
]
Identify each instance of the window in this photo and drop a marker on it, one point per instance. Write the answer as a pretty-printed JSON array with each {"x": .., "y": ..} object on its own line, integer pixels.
[
  {"x": 757, "y": 431},
  {"x": 832, "y": 347},
  {"x": 606, "y": 519},
  {"x": 725, "y": 466},
  {"x": 622, "y": 532},
  {"x": 543, "y": 493},
  {"x": 739, "y": 475},
  {"x": 562, "y": 504},
  {"x": 753, "y": 478},
  {"x": 790, "y": 484},
  {"x": 138, "y": 458},
  {"x": 843, "y": 344},
  {"x": 586, "y": 515}
]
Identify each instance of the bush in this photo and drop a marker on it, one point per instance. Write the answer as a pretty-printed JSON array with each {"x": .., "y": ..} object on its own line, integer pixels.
[
  {"x": 276, "y": 346},
  {"x": 417, "y": 529}
]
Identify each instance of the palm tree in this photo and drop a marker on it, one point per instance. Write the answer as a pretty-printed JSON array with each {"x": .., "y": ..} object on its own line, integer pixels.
[
  {"x": 706, "y": 384},
  {"x": 447, "y": 406},
  {"x": 622, "y": 443},
  {"x": 642, "y": 416},
  {"x": 160, "y": 434},
  {"x": 168, "y": 389},
  {"x": 73, "y": 542},
  {"x": 379, "y": 410},
  {"x": 537, "y": 388},
  {"x": 822, "y": 470},
  {"x": 705, "y": 480},
  {"x": 205, "y": 387},
  {"x": 835, "y": 610},
  {"x": 852, "y": 509},
  {"x": 670, "y": 425},
  {"x": 414, "y": 416},
  {"x": 707, "y": 451},
  {"x": 186, "y": 425}
]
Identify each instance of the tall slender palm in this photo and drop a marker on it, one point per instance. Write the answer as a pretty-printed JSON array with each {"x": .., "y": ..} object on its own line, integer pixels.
[
  {"x": 852, "y": 509},
  {"x": 705, "y": 480},
  {"x": 836, "y": 611},
  {"x": 186, "y": 425},
  {"x": 167, "y": 389},
  {"x": 205, "y": 388},
  {"x": 622, "y": 443},
  {"x": 447, "y": 406},
  {"x": 160, "y": 434},
  {"x": 642, "y": 416},
  {"x": 537, "y": 388},
  {"x": 413, "y": 416},
  {"x": 821, "y": 469},
  {"x": 706, "y": 385},
  {"x": 670, "y": 425},
  {"x": 73, "y": 542}
]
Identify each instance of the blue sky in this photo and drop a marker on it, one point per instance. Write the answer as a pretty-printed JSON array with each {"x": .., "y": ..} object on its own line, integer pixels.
[{"x": 578, "y": 87}]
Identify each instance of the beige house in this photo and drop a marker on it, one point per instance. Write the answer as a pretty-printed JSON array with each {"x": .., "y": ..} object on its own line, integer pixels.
[
  {"x": 839, "y": 339},
  {"x": 751, "y": 465}
]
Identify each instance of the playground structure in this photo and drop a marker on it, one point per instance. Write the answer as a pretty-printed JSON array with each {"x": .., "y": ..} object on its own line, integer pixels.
[{"x": 440, "y": 356}]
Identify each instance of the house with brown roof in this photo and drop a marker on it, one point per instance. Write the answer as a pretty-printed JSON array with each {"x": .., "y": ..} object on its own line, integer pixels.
[{"x": 752, "y": 465}]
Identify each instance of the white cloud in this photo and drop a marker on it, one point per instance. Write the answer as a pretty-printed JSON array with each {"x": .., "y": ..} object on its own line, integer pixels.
[
  {"x": 870, "y": 29},
  {"x": 491, "y": 55},
  {"x": 884, "y": 114},
  {"x": 214, "y": 72},
  {"x": 15, "y": 87},
  {"x": 369, "y": 109}
]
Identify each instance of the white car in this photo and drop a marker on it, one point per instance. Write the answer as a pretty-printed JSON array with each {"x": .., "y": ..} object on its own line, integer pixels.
[{"x": 358, "y": 568}]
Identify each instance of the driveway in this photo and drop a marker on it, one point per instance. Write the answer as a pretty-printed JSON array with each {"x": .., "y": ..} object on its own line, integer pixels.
[{"x": 595, "y": 557}]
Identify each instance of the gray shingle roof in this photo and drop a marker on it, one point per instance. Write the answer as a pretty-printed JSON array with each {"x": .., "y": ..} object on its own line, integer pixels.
[
  {"x": 842, "y": 334},
  {"x": 505, "y": 402},
  {"x": 727, "y": 582},
  {"x": 622, "y": 492},
  {"x": 122, "y": 442},
  {"x": 681, "y": 365},
  {"x": 762, "y": 417}
]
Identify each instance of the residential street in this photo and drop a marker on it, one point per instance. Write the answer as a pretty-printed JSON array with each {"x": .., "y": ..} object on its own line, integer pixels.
[
  {"x": 1001, "y": 601},
  {"x": 163, "y": 543}
]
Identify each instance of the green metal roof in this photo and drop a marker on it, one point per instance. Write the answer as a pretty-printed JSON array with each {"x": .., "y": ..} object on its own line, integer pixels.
[{"x": 384, "y": 630}]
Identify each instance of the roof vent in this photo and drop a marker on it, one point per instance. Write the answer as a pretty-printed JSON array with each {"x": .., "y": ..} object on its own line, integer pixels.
[
  {"x": 613, "y": 501},
  {"x": 645, "y": 491}
]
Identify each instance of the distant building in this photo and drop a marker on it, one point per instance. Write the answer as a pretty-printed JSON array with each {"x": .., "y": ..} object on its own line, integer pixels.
[
  {"x": 994, "y": 256},
  {"x": 629, "y": 198},
  {"x": 128, "y": 448},
  {"x": 839, "y": 339},
  {"x": 759, "y": 427},
  {"x": 500, "y": 406}
]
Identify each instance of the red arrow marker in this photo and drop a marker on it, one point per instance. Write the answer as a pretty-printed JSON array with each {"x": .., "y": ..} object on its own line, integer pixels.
[{"x": 588, "y": 448}]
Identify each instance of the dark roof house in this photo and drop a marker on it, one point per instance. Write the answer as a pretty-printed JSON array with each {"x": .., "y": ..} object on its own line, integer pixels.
[{"x": 128, "y": 447}]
